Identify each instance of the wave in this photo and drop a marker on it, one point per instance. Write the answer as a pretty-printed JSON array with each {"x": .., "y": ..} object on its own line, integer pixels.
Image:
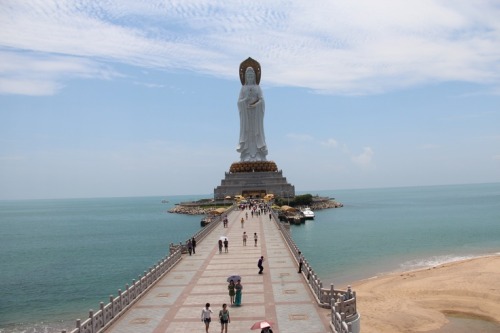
[{"x": 434, "y": 261}]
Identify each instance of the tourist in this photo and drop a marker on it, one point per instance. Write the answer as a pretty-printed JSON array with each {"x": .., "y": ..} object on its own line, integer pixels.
[
  {"x": 245, "y": 236},
  {"x": 237, "y": 298},
  {"x": 301, "y": 261},
  {"x": 349, "y": 294},
  {"x": 224, "y": 318},
  {"x": 226, "y": 245},
  {"x": 193, "y": 242},
  {"x": 266, "y": 330},
  {"x": 190, "y": 246},
  {"x": 242, "y": 222},
  {"x": 232, "y": 291},
  {"x": 259, "y": 264},
  {"x": 206, "y": 316},
  {"x": 220, "y": 246},
  {"x": 255, "y": 237}
]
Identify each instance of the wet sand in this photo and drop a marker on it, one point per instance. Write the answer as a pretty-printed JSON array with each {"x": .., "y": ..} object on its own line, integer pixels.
[{"x": 419, "y": 301}]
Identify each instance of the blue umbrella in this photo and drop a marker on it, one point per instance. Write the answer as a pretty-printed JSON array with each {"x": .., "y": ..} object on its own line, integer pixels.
[{"x": 234, "y": 278}]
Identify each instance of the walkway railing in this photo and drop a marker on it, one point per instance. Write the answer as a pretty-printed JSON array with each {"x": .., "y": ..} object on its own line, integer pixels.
[
  {"x": 342, "y": 303},
  {"x": 107, "y": 314},
  {"x": 117, "y": 305}
]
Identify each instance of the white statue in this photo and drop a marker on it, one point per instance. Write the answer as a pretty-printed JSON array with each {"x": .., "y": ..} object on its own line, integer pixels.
[{"x": 252, "y": 144}]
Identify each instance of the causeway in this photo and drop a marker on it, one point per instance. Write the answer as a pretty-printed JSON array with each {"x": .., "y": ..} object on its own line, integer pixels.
[{"x": 280, "y": 295}]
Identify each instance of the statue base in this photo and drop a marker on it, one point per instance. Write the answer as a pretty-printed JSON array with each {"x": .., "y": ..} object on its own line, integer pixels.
[{"x": 254, "y": 180}]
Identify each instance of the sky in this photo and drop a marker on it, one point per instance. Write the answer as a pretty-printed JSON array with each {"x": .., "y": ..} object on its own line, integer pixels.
[{"x": 138, "y": 98}]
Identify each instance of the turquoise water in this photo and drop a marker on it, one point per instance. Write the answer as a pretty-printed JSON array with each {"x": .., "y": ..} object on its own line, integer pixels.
[
  {"x": 382, "y": 230},
  {"x": 60, "y": 258}
]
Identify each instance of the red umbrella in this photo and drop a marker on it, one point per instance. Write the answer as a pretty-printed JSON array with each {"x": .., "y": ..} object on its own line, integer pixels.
[{"x": 261, "y": 324}]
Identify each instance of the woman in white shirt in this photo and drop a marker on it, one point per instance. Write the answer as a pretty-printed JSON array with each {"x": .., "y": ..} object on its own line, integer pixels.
[{"x": 205, "y": 316}]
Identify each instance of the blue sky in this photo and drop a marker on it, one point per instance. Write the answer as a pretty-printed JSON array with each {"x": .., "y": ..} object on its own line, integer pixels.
[{"x": 137, "y": 98}]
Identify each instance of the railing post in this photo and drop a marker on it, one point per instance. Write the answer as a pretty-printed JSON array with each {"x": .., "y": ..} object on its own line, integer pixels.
[
  {"x": 78, "y": 325},
  {"x": 101, "y": 307},
  {"x": 112, "y": 306},
  {"x": 120, "y": 298},
  {"x": 91, "y": 316},
  {"x": 332, "y": 292}
]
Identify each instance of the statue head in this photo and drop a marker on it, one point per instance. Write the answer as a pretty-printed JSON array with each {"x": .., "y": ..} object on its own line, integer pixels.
[
  {"x": 256, "y": 69},
  {"x": 249, "y": 76}
]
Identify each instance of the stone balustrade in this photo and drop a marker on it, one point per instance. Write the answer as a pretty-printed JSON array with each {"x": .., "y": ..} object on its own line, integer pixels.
[
  {"x": 341, "y": 302},
  {"x": 117, "y": 305}
]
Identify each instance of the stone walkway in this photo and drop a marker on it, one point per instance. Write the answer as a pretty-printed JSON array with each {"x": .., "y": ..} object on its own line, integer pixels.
[{"x": 280, "y": 295}]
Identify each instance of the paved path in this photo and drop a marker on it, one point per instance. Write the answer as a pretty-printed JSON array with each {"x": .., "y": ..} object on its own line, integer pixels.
[{"x": 279, "y": 295}]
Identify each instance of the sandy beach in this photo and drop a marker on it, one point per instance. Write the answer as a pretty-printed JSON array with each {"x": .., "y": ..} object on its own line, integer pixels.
[{"x": 417, "y": 301}]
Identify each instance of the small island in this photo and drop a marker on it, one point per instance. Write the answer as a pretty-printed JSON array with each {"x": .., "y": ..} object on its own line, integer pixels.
[{"x": 208, "y": 206}]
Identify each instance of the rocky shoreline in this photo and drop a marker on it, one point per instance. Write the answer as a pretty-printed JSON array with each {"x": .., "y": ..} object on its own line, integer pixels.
[
  {"x": 190, "y": 210},
  {"x": 194, "y": 209},
  {"x": 325, "y": 204}
]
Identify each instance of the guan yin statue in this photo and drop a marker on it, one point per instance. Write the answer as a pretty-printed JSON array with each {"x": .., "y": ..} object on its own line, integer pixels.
[
  {"x": 252, "y": 143},
  {"x": 253, "y": 176}
]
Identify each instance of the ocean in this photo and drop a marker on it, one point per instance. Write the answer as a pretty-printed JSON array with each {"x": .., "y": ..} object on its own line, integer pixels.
[{"x": 60, "y": 258}]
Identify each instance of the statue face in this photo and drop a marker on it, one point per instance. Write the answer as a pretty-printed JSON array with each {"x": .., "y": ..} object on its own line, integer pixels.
[{"x": 250, "y": 76}]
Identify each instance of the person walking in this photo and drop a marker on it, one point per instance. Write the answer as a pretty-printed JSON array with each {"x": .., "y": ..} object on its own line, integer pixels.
[
  {"x": 190, "y": 247},
  {"x": 220, "y": 246},
  {"x": 224, "y": 318},
  {"x": 301, "y": 261},
  {"x": 206, "y": 313},
  {"x": 238, "y": 288},
  {"x": 255, "y": 238},
  {"x": 242, "y": 222},
  {"x": 232, "y": 291},
  {"x": 245, "y": 236},
  {"x": 193, "y": 242},
  {"x": 260, "y": 264},
  {"x": 226, "y": 245}
]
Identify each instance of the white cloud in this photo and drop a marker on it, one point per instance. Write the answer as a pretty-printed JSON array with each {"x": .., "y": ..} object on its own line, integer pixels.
[
  {"x": 31, "y": 73},
  {"x": 347, "y": 47},
  {"x": 330, "y": 143},
  {"x": 365, "y": 158}
]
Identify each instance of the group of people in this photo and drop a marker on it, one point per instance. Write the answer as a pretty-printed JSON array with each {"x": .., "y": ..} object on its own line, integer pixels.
[
  {"x": 224, "y": 318},
  {"x": 224, "y": 243},
  {"x": 191, "y": 245},
  {"x": 245, "y": 237},
  {"x": 235, "y": 292}
]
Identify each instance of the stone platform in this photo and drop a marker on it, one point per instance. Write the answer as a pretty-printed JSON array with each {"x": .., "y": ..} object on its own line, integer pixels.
[{"x": 254, "y": 179}]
